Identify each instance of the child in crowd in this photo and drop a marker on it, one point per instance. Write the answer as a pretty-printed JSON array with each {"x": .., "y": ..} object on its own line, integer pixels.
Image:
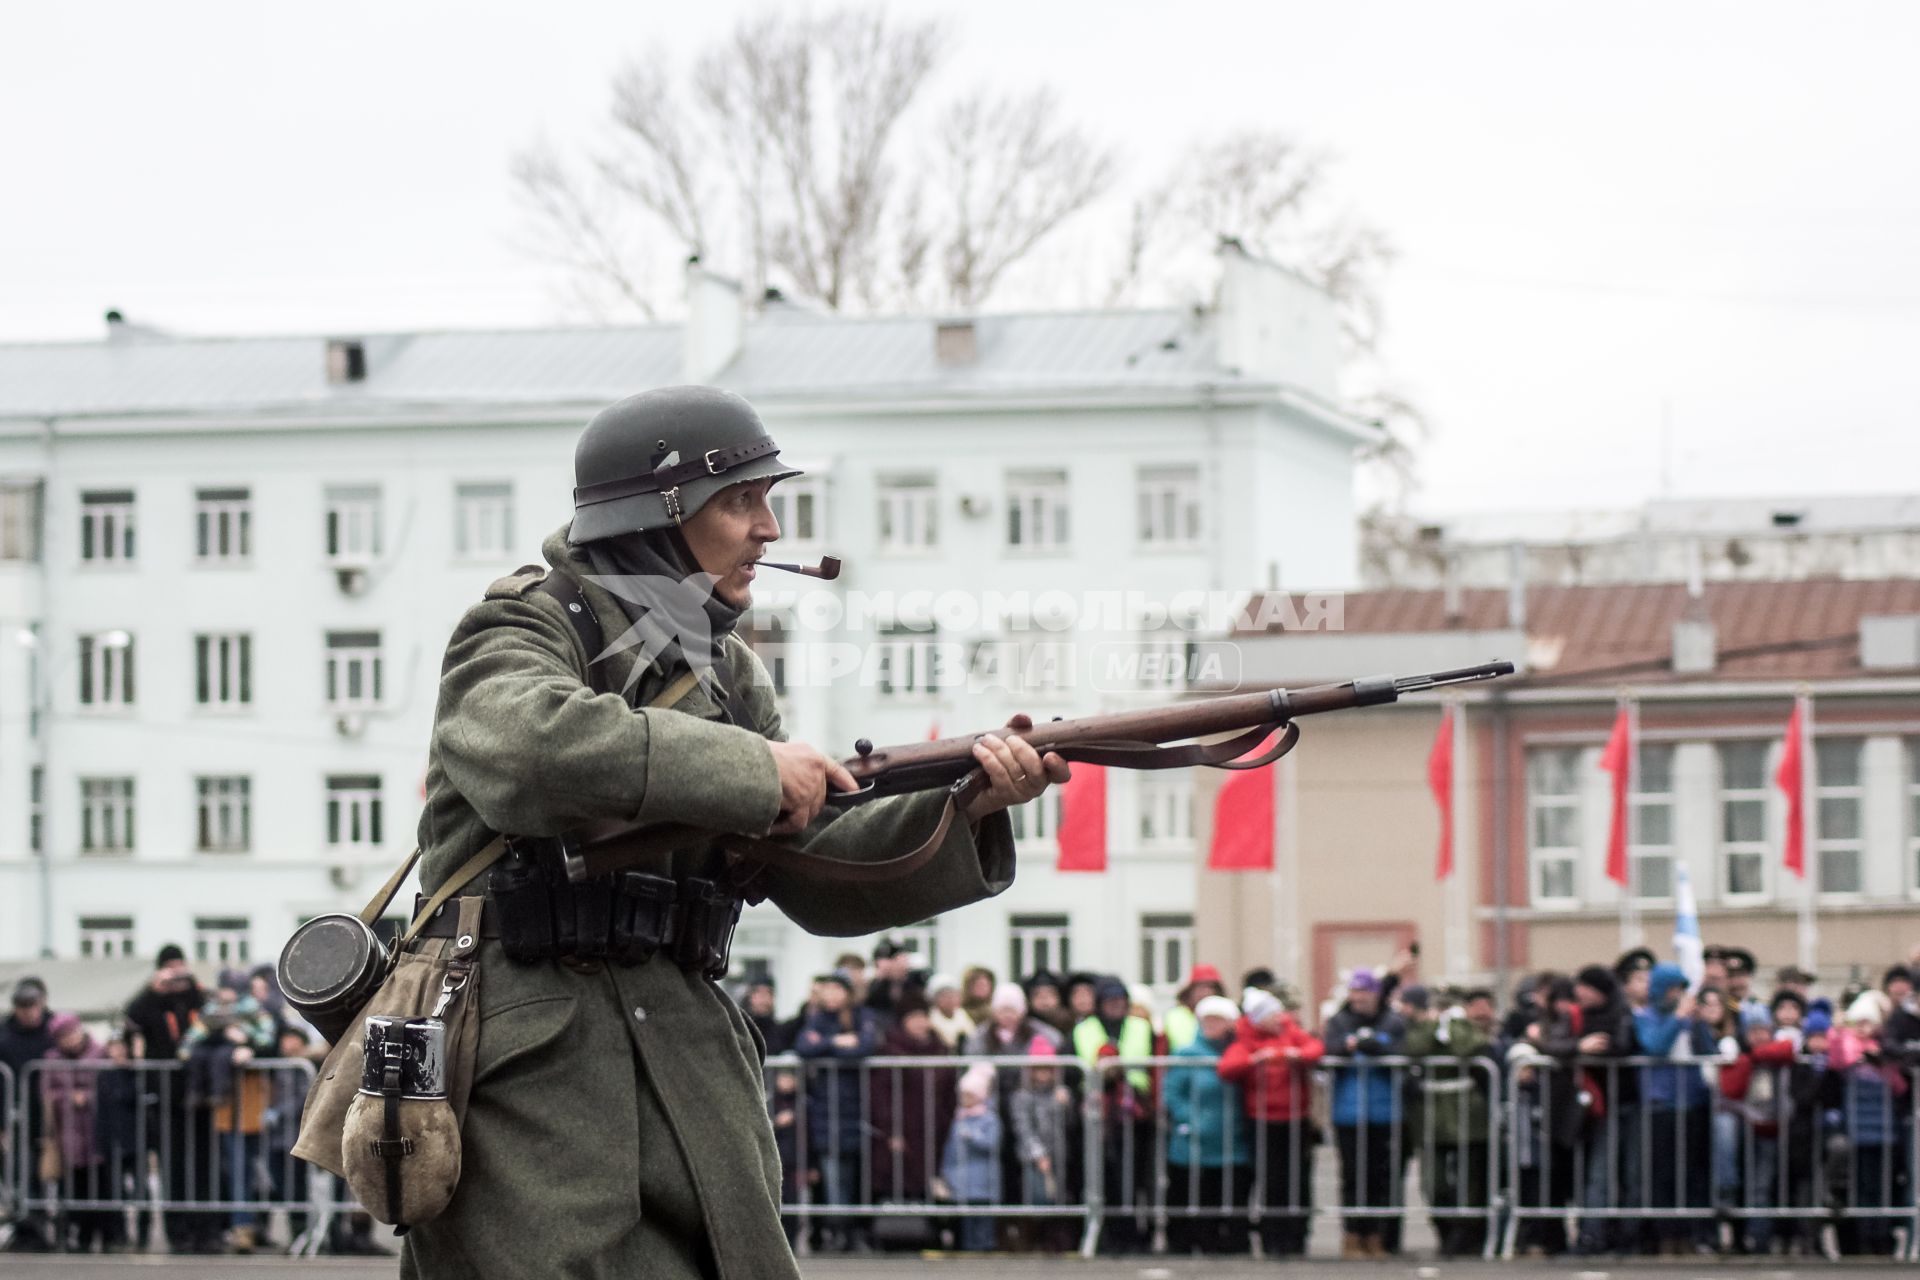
[{"x": 971, "y": 1166}]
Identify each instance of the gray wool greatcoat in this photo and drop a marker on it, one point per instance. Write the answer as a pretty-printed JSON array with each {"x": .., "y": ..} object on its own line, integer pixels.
[{"x": 617, "y": 1124}]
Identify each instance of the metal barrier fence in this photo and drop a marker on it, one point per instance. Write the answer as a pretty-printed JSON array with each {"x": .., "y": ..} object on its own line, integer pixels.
[
  {"x": 1130, "y": 1155},
  {"x": 1646, "y": 1154},
  {"x": 189, "y": 1148}
]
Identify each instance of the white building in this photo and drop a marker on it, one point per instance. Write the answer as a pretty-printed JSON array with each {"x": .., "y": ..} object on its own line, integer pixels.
[{"x": 230, "y": 566}]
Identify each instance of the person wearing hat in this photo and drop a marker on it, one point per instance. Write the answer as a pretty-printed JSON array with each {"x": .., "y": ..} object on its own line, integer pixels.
[
  {"x": 1182, "y": 1023},
  {"x": 1271, "y": 1060},
  {"x": 1366, "y": 1113},
  {"x": 544, "y": 726},
  {"x": 70, "y": 1096},
  {"x": 1633, "y": 969},
  {"x": 1045, "y": 1003},
  {"x": 1080, "y": 995},
  {"x": 836, "y": 1036},
  {"x": 1900, "y": 1035},
  {"x": 1455, "y": 1100},
  {"x": 25, "y": 1035},
  {"x": 1677, "y": 1103},
  {"x": 971, "y": 1166},
  {"x": 950, "y": 1021},
  {"x": 161, "y": 1014},
  {"x": 1041, "y": 1115},
  {"x": 892, "y": 972},
  {"x": 1207, "y": 1150},
  {"x": 1741, "y": 965}
]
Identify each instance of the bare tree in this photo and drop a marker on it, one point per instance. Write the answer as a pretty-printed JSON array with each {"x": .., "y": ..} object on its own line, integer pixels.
[
  {"x": 1011, "y": 175},
  {"x": 579, "y": 231},
  {"x": 791, "y": 152}
]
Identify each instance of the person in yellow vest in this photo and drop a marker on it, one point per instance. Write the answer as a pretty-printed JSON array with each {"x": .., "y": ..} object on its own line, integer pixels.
[
  {"x": 1180, "y": 1025},
  {"x": 1114, "y": 1032}
]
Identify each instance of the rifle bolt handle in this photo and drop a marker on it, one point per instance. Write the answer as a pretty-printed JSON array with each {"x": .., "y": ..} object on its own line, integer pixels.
[{"x": 863, "y": 747}]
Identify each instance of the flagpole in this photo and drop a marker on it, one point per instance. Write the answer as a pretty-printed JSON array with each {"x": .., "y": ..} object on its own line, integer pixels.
[
  {"x": 1629, "y": 913},
  {"x": 1458, "y": 928},
  {"x": 1809, "y": 829}
]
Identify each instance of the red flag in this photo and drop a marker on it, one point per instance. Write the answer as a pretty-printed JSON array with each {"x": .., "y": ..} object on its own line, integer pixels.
[
  {"x": 1243, "y": 822},
  {"x": 1790, "y": 777},
  {"x": 1440, "y": 779},
  {"x": 1617, "y": 760},
  {"x": 1083, "y": 820},
  {"x": 933, "y": 731}
]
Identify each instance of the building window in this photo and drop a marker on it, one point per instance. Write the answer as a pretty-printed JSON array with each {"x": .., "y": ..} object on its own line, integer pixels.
[
  {"x": 483, "y": 520},
  {"x": 798, "y": 507},
  {"x": 1553, "y": 826},
  {"x": 1166, "y": 948},
  {"x": 106, "y": 526},
  {"x": 353, "y": 669},
  {"x": 106, "y": 669},
  {"x": 1168, "y": 506},
  {"x": 222, "y": 526},
  {"x": 1837, "y": 825},
  {"x": 1039, "y": 942},
  {"x": 907, "y": 661},
  {"x": 909, "y": 514},
  {"x": 1037, "y": 510},
  {"x": 221, "y": 940},
  {"x": 226, "y": 814},
  {"x": 20, "y": 521},
  {"x": 768, "y": 640},
  {"x": 923, "y": 940},
  {"x": 353, "y": 811},
  {"x": 1743, "y": 820},
  {"x": 1652, "y": 848},
  {"x": 223, "y": 670},
  {"x": 106, "y": 937},
  {"x": 1160, "y": 659},
  {"x": 1166, "y": 807},
  {"x": 106, "y": 815},
  {"x": 1037, "y": 819},
  {"x": 353, "y": 523},
  {"x": 36, "y": 808}
]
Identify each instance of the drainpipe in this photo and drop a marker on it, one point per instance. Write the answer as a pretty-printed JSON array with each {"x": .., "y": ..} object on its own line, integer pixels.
[{"x": 1502, "y": 852}]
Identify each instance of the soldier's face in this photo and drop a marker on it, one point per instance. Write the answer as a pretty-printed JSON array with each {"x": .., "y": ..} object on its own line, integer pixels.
[{"x": 728, "y": 534}]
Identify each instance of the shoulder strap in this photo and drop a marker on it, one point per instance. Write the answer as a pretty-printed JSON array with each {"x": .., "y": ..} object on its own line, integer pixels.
[{"x": 585, "y": 625}]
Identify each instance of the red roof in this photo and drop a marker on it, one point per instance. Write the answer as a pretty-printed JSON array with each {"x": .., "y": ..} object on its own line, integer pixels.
[{"x": 1797, "y": 630}]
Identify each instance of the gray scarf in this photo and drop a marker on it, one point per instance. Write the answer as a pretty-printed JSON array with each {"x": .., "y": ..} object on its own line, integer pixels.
[{"x": 672, "y": 606}]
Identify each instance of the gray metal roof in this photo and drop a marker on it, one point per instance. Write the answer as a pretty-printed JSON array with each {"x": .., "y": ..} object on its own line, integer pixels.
[{"x": 786, "y": 353}]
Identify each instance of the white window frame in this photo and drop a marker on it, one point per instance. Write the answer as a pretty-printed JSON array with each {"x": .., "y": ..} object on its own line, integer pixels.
[
  {"x": 1643, "y": 803},
  {"x": 1038, "y": 820},
  {"x": 1761, "y": 850},
  {"x": 1167, "y": 508},
  {"x": 20, "y": 521},
  {"x": 108, "y": 527},
  {"x": 907, "y": 662},
  {"x": 107, "y": 816},
  {"x": 907, "y": 515},
  {"x": 799, "y": 506},
  {"x": 352, "y": 531},
  {"x": 923, "y": 940},
  {"x": 223, "y": 669},
  {"x": 1856, "y": 793},
  {"x": 223, "y": 525},
  {"x": 1039, "y": 940},
  {"x": 483, "y": 519},
  {"x": 1537, "y": 803},
  {"x": 354, "y": 812},
  {"x": 107, "y": 938},
  {"x": 1039, "y": 512},
  {"x": 1166, "y": 937},
  {"x": 353, "y": 658},
  {"x": 1165, "y": 801},
  {"x": 223, "y": 813},
  {"x": 226, "y": 941},
  {"x": 36, "y": 808},
  {"x": 105, "y": 672}
]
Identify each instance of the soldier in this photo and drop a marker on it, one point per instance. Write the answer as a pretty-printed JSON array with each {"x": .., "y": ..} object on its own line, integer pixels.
[{"x": 617, "y": 1124}]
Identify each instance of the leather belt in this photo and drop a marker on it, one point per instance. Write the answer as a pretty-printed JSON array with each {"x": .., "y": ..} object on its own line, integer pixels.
[{"x": 444, "y": 923}]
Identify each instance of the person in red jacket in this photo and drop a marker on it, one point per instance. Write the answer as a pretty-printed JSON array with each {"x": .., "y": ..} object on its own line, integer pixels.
[{"x": 1270, "y": 1059}]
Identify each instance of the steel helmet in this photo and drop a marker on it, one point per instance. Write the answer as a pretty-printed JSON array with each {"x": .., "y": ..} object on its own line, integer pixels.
[{"x": 652, "y": 460}]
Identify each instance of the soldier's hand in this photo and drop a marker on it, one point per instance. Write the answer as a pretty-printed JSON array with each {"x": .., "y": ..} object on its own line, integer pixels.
[
  {"x": 1016, "y": 773},
  {"x": 805, "y": 774}
]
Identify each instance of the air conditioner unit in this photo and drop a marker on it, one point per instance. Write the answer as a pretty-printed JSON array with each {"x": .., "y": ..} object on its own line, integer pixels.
[
  {"x": 974, "y": 505},
  {"x": 351, "y": 576},
  {"x": 350, "y": 724},
  {"x": 343, "y": 876}
]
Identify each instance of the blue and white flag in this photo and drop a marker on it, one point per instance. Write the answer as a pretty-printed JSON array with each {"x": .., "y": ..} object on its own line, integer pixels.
[{"x": 1687, "y": 950}]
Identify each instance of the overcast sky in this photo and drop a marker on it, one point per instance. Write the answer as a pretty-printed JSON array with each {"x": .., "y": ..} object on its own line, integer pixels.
[{"x": 1609, "y": 215}]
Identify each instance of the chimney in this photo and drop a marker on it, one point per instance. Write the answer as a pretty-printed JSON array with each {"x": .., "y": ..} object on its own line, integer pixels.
[
  {"x": 1517, "y": 586},
  {"x": 955, "y": 344},
  {"x": 346, "y": 361},
  {"x": 1450, "y": 587},
  {"x": 716, "y": 324},
  {"x": 1695, "y": 646},
  {"x": 1272, "y": 325}
]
